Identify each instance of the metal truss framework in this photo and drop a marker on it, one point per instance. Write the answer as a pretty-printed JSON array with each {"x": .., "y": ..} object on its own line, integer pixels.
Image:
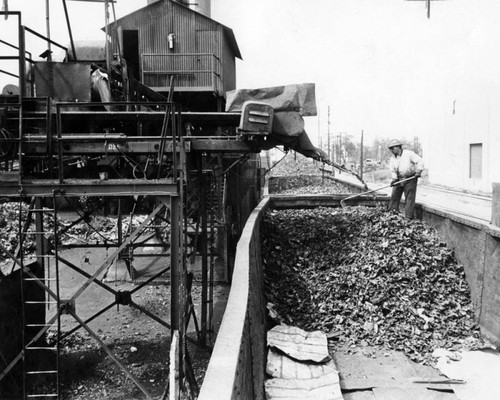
[
  {"x": 182, "y": 309},
  {"x": 167, "y": 219},
  {"x": 166, "y": 168},
  {"x": 50, "y": 252}
]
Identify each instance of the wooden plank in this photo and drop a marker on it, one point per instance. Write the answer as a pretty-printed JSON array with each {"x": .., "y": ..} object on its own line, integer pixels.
[
  {"x": 318, "y": 388},
  {"x": 329, "y": 200},
  {"x": 174, "y": 371},
  {"x": 359, "y": 395},
  {"x": 410, "y": 393},
  {"x": 373, "y": 368},
  {"x": 280, "y": 366}
]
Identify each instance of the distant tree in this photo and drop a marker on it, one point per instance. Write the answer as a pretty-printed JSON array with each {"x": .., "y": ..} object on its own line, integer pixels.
[
  {"x": 350, "y": 150},
  {"x": 377, "y": 150}
]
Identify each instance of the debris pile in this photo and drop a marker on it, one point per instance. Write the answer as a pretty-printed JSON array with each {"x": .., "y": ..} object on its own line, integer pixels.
[
  {"x": 306, "y": 184},
  {"x": 295, "y": 164},
  {"x": 367, "y": 277},
  {"x": 9, "y": 228},
  {"x": 102, "y": 229},
  {"x": 296, "y": 174}
]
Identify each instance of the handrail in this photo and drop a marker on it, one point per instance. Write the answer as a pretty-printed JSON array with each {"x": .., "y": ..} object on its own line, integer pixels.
[
  {"x": 9, "y": 44},
  {"x": 8, "y": 73},
  {"x": 180, "y": 54},
  {"x": 46, "y": 38},
  {"x": 204, "y": 68},
  {"x": 179, "y": 71},
  {"x": 22, "y": 52},
  {"x": 170, "y": 110}
]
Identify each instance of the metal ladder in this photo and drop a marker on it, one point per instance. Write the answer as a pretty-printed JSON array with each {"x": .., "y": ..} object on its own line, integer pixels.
[{"x": 40, "y": 297}]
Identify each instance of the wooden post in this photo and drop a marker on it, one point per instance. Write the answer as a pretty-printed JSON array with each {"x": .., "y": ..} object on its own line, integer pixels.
[
  {"x": 174, "y": 375},
  {"x": 329, "y": 152},
  {"x": 361, "y": 164}
]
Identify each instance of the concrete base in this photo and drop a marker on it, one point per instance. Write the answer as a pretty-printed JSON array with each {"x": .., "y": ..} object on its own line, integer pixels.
[{"x": 117, "y": 272}]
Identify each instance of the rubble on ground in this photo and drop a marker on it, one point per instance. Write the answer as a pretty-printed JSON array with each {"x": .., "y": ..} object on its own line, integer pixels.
[
  {"x": 306, "y": 184},
  {"x": 91, "y": 229},
  {"x": 296, "y": 174},
  {"x": 295, "y": 164}
]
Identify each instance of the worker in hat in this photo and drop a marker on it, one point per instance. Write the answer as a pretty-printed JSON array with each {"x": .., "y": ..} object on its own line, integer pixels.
[{"x": 404, "y": 165}]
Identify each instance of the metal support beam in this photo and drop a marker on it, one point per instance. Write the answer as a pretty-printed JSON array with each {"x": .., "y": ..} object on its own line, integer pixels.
[
  {"x": 205, "y": 118},
  {"x": 175, "y": 273},
  {"x": 41, "y": 249},
  {"x": 204, "y": 258},
  {"x": 35, "y": 145},
  {"x": 91, "y": 187},
  {"x": 175, "y": 377}
]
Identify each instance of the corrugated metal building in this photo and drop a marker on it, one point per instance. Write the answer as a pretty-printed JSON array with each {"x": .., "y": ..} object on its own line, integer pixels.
[{"x": 166, "y": 39}]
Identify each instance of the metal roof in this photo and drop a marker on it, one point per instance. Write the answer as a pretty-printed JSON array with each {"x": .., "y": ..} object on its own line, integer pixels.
[{"x": 228, "y": 32}]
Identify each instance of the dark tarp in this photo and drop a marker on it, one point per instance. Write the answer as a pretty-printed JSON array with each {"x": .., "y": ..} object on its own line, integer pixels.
[
  {"x": 290, "y": 103},
  {"x": 300, "y": 98}
]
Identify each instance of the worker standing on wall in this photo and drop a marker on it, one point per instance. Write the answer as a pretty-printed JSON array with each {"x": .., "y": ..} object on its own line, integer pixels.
[{"x": 404, "y": 164}]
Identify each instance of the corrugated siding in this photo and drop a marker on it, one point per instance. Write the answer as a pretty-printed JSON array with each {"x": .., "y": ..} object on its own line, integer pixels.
[
  {"x": 206, "y": 43},
  {"x": 194, "y": 34},
  {"x": 228, "y": 67}
]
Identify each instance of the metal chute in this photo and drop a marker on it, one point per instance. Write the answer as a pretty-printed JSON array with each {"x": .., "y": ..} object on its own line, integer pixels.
[{"x": 290, "y": 104}]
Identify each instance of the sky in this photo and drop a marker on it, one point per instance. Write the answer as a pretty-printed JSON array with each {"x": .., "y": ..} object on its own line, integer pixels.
[{"x": 380, "y": 66}]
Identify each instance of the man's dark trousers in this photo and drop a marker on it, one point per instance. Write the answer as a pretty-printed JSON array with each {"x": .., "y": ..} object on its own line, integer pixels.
[{"x": 410, "y": 190}]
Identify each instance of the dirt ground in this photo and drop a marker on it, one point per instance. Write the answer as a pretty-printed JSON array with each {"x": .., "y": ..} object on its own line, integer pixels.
[{"x": 140, "y": 343}]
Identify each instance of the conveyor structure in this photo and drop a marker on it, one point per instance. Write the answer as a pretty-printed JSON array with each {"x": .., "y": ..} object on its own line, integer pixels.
[{"x": 194, "y": 177}]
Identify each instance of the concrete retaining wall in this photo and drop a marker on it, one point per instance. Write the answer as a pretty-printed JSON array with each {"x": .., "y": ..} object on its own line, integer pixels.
[
  {"x": 237, "y": 366},
  {"x": 477, "y": 247}
]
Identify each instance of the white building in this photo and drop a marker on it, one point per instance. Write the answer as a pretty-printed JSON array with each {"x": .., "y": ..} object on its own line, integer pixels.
[{"x": 463, "y": 152}]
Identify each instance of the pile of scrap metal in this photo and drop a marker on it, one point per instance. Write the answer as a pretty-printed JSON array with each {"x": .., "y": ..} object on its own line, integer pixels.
[{"x": 288, "y": 104}]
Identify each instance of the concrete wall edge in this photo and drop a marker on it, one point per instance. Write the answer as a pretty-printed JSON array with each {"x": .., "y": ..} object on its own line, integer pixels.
[{"x": 223, "y": 366}]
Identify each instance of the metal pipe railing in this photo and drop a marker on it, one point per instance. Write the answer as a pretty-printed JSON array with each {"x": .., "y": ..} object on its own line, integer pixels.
[{"x": 191, "y": 69}]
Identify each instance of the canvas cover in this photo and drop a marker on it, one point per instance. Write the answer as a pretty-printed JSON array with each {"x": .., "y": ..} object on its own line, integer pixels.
[
  {"x": 297, "y": 97},
  {"x": 290, "y": 103}
]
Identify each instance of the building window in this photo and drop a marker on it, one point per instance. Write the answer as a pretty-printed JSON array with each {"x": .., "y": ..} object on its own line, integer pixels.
[{"x": 476, "y": 161}]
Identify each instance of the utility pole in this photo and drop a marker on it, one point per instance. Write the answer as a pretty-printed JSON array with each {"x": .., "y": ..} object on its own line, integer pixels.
[
  {"x": 329, "y": 148},
  {"x": 47, "y": 24},
  {"x": 340, "y": 148},
  {"x": 416, "y": 145},
  {"x": 427, "y": 6},
  {"x": 329, "y": 133},
  {"x": 361, "y": 157},
  {"x": 320, "y": 139},
  {"x": 106, "y": 46}
]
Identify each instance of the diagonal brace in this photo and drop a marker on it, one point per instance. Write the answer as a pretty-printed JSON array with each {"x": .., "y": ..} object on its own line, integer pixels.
[
  {"x": 111, "y": 355},
  {"x": 125, "y": 243}
]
